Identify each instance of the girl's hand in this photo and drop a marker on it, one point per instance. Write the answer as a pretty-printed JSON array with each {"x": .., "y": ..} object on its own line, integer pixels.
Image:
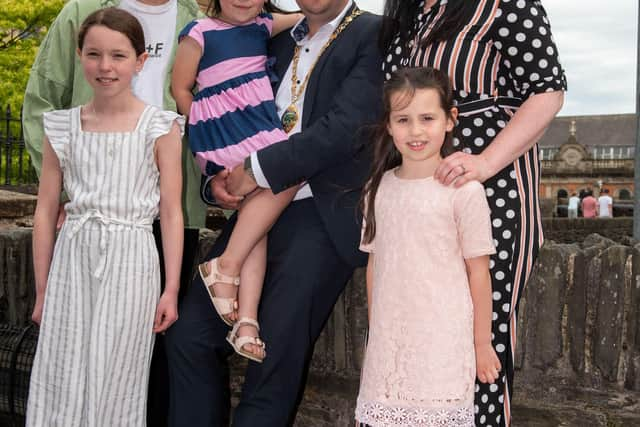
[
  {"x": 166, "y": 312},
  {"x": 461, "y": 168},
  {"x": 36, "y": 316},
  {"x": 487, "y": 364}
]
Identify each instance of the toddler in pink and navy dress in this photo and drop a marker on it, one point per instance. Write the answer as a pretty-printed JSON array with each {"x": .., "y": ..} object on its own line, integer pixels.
[
  {"x": 233, "y": 112},
  {"x": 232, "y": 115}
]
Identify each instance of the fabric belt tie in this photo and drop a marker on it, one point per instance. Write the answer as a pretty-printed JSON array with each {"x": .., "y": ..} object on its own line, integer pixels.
[
  {"x": 78, "y": 221},
  {"x": 480, "y": 105}
]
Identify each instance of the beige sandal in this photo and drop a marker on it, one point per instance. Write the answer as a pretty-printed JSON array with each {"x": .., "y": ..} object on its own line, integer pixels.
[
  {"x": 210, "y": 276},
  {"x": 238, "y": 342}
]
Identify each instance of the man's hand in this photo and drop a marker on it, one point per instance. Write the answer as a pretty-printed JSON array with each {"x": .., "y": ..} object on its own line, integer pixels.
[
  {"x": 219, "y": 190},
  {"x": 239, "y": 183}
]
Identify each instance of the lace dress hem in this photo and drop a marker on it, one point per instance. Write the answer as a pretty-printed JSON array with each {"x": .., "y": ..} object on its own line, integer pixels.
[{"x": 378, "y": 415}]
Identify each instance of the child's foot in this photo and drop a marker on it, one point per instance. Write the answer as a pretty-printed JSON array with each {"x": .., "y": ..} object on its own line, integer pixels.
[
  {"x": 245, "y": 340},
  {"x": 256, "y": 346},
  {"x": 222, "y": 289}
]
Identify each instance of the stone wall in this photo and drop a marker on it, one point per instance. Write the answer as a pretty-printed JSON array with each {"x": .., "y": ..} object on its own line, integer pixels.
[
  {"x": 565, "y": 230},
  {"x": 579, "y": 332}
]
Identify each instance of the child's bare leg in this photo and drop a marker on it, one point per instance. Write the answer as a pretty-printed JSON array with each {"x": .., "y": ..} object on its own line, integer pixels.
[
  {"x": 255, "y": 217},
  {"x": 251, "y": 281}
]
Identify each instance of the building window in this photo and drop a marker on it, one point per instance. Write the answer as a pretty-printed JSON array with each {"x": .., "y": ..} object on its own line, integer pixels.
[{"x": 624, "y": 194}]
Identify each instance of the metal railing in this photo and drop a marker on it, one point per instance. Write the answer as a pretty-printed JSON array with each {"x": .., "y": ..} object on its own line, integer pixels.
[{"x": 15, "y": 162}]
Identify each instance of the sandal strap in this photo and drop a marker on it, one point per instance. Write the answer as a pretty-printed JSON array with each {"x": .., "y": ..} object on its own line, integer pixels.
[
  {"x": 248, "y": 321},
  {"x": 215, "y": 276},
  {"x": 224, "y": 305},
  {"x": 241, "y": 341}
]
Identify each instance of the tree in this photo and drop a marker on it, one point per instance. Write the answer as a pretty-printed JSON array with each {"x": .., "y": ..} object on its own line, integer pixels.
[{"x": 23, "y": 24}]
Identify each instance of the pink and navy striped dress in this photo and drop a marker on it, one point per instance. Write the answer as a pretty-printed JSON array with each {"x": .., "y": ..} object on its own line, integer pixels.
[{"x": 233, "y": 112}]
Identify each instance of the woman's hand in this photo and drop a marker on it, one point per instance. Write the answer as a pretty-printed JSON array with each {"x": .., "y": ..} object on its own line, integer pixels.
[
  {"x": 166, "y": 312},
  {"x": 461, "y": 167},
  {"x": 487, "y": 364}
]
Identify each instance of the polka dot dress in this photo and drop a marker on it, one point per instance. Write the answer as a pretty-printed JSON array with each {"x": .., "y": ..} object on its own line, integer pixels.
[{"x": 505, "y": 54}]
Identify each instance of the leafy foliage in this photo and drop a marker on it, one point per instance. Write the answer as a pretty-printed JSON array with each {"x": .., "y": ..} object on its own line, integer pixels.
[{"x": 23, "y": 25}]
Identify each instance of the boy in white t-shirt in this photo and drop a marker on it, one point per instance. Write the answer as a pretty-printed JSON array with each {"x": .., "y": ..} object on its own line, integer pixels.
[
  {"x": 572, "y": 208},
  {"x": 605, "y": 205}
]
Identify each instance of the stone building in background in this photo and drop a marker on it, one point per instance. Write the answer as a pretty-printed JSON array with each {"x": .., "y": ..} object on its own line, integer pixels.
[{"x": 580, "y": 153}]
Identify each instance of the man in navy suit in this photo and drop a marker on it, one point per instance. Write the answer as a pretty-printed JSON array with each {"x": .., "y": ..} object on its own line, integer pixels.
[{"x": 313, "y": 247}]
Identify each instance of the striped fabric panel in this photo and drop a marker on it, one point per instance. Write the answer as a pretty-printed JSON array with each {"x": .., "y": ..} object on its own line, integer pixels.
[
  {"x": 231, "y": 68},
  {"x": 233, "y": 155},
  {"x": 222, "y": 41},
  {"x": 221, "y": 102},
  {"x": 233, "y": 127}
]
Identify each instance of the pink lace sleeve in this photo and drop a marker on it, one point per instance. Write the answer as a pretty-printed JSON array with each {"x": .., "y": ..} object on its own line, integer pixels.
[{"x": 473, "y": 220}]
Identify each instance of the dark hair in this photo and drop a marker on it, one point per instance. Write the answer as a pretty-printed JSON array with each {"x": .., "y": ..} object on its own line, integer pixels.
[
  {"x": 214, "y": 8},
  {"x": 117, "y": 20},
  {"x": 385, "y": 154},
  {"x": 401, "y": 15}
]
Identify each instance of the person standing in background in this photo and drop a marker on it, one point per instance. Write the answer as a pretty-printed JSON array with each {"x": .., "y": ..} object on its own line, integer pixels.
[
  {"x": 605, "y": 205},
  {"x": 574, "y": 203},
  {"x": 589, "y": 205}
]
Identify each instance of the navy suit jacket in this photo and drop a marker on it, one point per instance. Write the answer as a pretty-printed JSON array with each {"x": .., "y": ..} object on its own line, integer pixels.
[{"x": 343, "y": 95}]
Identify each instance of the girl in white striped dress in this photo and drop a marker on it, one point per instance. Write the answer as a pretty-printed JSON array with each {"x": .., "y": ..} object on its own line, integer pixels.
[{"x": 98, "y": 290}]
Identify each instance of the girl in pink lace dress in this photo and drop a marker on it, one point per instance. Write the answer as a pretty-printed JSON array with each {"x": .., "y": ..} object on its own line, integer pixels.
[{"x": 428, "y": 283}]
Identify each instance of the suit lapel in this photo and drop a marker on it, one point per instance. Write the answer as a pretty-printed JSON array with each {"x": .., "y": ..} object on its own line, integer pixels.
[{"x": 312, "y": 86}]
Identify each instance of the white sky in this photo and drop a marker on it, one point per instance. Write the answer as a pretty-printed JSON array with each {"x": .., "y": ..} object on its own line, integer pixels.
[{"x": 597, "y": 41}]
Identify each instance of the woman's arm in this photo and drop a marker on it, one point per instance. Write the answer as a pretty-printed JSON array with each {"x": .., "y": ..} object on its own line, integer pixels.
[
  {"x": 44, "y": 223},
  {"x": 524, "y": 129},
  {"x": 168, "y": 158},
  {"x": 487, "y": 363},
  {"x": 369, "y": 279},
  {"x": 185, "y": 70},
  {"x": 283, "y": 21}
]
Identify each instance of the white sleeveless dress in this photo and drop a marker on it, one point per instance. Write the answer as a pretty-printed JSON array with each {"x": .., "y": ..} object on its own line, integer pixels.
[{"x": 92, "y": 361}]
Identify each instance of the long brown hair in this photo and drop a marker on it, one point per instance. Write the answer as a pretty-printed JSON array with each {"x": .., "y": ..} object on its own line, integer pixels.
[
  {"x": 117, "y": 20},
  {"x": 400, "y": 18},
  {"x": 385, "y": 154}
]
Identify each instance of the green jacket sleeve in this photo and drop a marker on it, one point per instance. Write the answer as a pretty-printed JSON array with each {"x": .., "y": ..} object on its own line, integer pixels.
[{"x": 50, "y": 84}]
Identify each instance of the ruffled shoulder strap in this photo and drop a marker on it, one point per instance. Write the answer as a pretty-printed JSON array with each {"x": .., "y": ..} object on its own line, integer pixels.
[
  {"x": 160, "y": 123},
  {"x": 58, "y": 128}
]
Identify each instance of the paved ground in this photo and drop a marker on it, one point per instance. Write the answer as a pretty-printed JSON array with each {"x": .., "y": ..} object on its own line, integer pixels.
[{"x": 571, "y": 407}]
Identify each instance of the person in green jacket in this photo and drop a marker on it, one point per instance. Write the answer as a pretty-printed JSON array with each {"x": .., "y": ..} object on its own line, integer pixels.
[{"x": 56, "y": 81}]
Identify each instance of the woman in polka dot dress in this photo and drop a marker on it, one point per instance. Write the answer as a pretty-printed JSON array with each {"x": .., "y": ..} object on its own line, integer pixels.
[{"x": 508, "y": 84}]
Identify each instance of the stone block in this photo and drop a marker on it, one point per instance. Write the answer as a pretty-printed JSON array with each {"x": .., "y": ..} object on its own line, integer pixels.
[
  {"x": 577, "y": 311},
  {"x": 609, "y": 325},
  {"x": 16, "y": 205},
  {"x": 545, "y": 299},
  {"x": 17, "y": 289}
]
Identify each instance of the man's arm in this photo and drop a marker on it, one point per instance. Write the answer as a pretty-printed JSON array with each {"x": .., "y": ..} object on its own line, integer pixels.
[
  {"x": 50, "y": 82},
  {"x": 330, "y": 139}
]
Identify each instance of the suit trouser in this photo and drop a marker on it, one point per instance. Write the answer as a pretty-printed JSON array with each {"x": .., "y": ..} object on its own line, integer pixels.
[{"x": 304, "y": 278}]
